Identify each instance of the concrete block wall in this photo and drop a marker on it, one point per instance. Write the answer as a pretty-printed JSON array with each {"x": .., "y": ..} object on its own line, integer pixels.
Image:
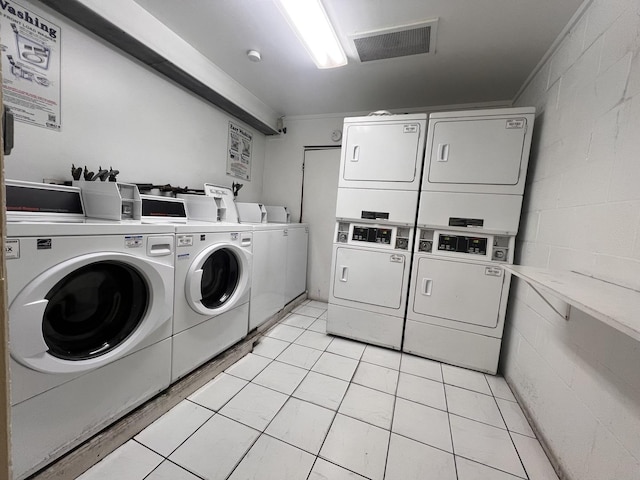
[{"x": 579, "y": 380}]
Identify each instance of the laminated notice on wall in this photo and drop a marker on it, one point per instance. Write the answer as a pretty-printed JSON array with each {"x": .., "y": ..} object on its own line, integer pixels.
[
  {"x": 30, "y": 52},
  {"x": 239, "y": 152}
]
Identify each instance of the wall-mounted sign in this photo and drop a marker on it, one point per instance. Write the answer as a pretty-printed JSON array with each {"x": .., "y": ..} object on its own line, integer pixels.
[
  {"x": 239, "y": 152},
  {"x": 30, "y": 52}
]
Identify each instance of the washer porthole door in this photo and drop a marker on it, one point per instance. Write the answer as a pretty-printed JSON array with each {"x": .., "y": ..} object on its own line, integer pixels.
[
  {"x": 216, "y": 279},
  {"x": 93, "y": 310}
]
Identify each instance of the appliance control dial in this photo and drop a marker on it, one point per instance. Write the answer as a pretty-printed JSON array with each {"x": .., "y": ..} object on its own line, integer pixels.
[{"x": 425, "y": 245}]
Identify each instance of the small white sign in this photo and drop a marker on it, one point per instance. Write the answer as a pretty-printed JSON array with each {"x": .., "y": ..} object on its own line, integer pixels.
[
  {"x": 133, "y": 241},
  {"x": 184, "y": 240},
  {"x": 397, "y": 259},
  {"x": 493, "y": 271},
  {"x": 183, "y": 256},
  {"x": 12, "y": 249},
  {"x": 410, "y": 129},
  {"x": 515, "y": 123},
  {"x": 234, "y": 236}
]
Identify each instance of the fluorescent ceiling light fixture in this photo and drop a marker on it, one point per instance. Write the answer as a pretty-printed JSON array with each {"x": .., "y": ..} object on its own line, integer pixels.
[{"x": 311, "y": 23}]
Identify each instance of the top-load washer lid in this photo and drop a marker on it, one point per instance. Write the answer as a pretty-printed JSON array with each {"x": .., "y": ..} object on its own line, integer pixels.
[
  {"x": 41, "y": 202},
  {"x": 89, "y": 311}
]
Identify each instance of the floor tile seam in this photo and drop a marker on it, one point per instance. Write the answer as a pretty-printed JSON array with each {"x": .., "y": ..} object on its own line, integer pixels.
[
  {"x": 422, "y": 404},
  {"x": 241, "y": 378},
  {"x": 377, "y": 364},
  {"x": 310, "y": 316},
  {"x": 515, "y": 447},
  {"x": 421, "y": 442},
  {"x": 166, "y": 457},
  {"x": 525, "y": 418},
  {"x": 505, "y": 429},
  {"x": 393, "y": 414},
  {"x": 492, "y": 467},
  {"x": 374, "y": 388},
  {"x": 335, "y": 415},
  {"x": 179, "y": 466},
  {"x": 420, "y": 376},
  {"x": 469, "y": 389},
  {"x": 368, "y": 422},
  {"x": 245, "y": 453},
  {"x": 270, "y": 435},
  {"x": 344, "y": 468},
  {"x": 446, "y": 404},
  {"x": 497, "y": 396}
]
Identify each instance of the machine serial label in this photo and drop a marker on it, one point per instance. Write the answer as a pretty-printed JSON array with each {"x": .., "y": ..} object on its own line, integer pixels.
[
  {"x": 396, "y": 259},
  {"x": 234, "y": 236},
  {"x": 133, "y": 241},
  {"x": 44, "y": 244},
  {"x": 493, "y": 271},
  {"x": 184, "y": 240},
  {"x": 183, "y": 256},
  {"x": 12, "y": 249},
  {"x": 515, "y": 123},
  {"x": 410, "y": 129}
]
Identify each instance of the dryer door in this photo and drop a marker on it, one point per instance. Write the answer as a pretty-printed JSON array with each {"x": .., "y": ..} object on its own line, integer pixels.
[
  {"x": 463, "y": 292},
  {"x": 89, "y": 311},
  {"x": 218, "y": 279},
  {"x": 371, "y": 277}
]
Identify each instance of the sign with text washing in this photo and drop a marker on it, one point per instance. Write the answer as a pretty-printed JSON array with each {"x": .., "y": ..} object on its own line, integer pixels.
[
  {"x": 30, "y": 52},
  {"x": 239, "y": 152}
]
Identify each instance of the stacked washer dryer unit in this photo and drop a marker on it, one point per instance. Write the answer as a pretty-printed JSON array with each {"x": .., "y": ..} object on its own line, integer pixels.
[
  {"x": 470, "y": 202},
  {"x": 269, "y": 263},
  {"x": 296, "y": 251},
  {"x": 212, "y": 282},
  {"x": 90, "y": 311},
  {"x": 380, "y": 169}
]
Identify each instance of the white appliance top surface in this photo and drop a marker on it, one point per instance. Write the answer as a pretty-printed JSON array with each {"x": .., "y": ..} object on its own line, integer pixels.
[
  {"x": 88, "y": 227},
  {"x": 409, "y": 117},
  {"x": 195, "y": 226},
  {"x": 490, "y": 112}
]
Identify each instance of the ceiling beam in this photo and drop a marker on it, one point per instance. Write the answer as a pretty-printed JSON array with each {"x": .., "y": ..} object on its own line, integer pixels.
[{"x": 126, "y": 25}]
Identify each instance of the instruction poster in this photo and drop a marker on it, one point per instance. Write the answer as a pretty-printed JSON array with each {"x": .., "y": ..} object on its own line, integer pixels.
[
  {"x": 239, "y": 152},
  {"x": 30, "y": 51}
]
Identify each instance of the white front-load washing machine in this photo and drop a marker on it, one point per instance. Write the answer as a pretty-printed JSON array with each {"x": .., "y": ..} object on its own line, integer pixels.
[
  {"x": 90, "y": 313},
  {"x": 212, "y": 291}
]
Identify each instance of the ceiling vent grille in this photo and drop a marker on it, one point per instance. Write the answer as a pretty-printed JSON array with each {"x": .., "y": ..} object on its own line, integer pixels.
[{"x": 396, "y": 42}]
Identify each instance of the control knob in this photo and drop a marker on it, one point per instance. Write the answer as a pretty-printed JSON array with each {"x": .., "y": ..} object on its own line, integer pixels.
[
  {"x": 425, "y": 245},
  {"x": 342, "y": 237}
]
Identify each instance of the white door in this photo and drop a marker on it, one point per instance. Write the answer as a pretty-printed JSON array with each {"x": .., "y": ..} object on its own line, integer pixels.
[
  {"x": 319, "y": 193},
  {"x": 382, "y": 152},
  {"x": 371, "y": 277},
  {"x": 459, "y": 291},
  {"x": 479, "y": 151}
]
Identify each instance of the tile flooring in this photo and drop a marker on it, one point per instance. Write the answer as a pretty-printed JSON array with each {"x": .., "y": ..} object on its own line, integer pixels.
[{"x": 308, "y": 406}]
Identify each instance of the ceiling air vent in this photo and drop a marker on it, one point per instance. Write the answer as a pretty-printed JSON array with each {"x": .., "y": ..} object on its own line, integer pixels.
[{"x": 396, "y": 41}]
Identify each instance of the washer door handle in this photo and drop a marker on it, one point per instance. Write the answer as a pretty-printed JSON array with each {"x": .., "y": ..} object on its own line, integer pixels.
[
  {"x": 427, "y": 285},
  {"x": 345, "y": 274}
]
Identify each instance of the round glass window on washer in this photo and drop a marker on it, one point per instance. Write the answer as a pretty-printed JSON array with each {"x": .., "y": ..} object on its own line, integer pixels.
[
  {"x": 93, "y": 310},
  {"x": 220, "y": 276}
]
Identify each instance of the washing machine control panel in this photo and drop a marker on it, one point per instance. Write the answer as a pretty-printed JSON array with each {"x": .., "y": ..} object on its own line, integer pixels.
[{"x": 462, "y": 244}]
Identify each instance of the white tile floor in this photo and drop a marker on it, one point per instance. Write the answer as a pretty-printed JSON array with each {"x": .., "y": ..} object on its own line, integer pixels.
[{"x": 308, "y": 406}]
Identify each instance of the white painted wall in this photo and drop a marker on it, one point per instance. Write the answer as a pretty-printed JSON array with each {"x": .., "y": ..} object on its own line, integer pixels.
[
  {"x": 117, "y": 112},
  {"x": 579, "y": 380}
]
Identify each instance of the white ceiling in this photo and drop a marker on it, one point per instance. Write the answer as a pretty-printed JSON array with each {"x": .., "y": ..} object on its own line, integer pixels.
[{"x": 485, "y": 50}]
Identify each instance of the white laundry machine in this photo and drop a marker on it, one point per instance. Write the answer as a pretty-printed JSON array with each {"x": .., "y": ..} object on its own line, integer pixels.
[
  {"x": 212, "y": 287},
  {"x": 381, "y": 165},
  {"x": 380, "y": 171},
  {"x": 458, "y": 297},
  {"x": 269, "y": 263},
  {"x": 470, "y": 202},
  {"x": 297, "y": 238},
  {"x": 475, "y": 169},
  {"x": 369, "y": 282},
  {"x": 90, "y": 313}
]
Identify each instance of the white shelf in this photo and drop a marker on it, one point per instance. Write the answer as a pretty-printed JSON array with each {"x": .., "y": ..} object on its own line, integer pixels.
[{"x": 617, "y": 306}]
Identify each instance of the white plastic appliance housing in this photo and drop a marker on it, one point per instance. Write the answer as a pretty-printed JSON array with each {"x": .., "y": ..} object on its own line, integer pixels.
[{"x": 383, "y": 152}]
